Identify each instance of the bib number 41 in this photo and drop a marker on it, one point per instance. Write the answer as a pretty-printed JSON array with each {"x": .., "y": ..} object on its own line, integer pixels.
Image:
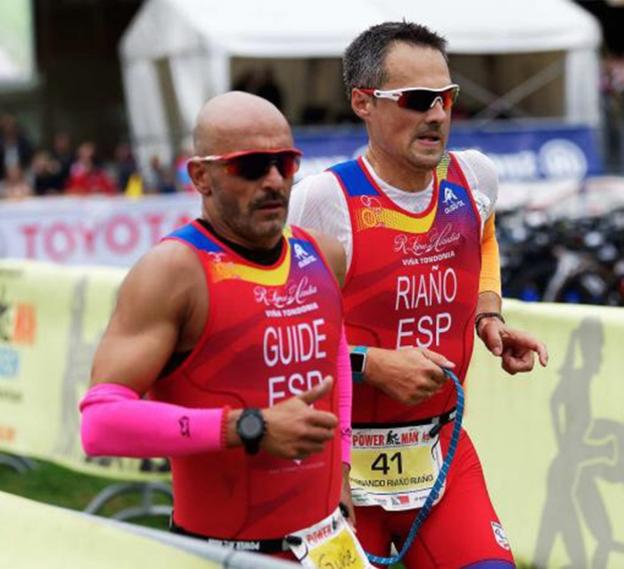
[{"x": 383, "y": 463}]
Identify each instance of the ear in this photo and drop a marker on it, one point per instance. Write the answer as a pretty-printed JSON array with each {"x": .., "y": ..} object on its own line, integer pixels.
[
  {"x": 198, "y": 171},
  {"x": 361, "y": 103}
]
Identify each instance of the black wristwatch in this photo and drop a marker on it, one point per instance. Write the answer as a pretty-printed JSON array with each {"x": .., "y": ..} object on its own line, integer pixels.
[{"x": 251, "y": 427}]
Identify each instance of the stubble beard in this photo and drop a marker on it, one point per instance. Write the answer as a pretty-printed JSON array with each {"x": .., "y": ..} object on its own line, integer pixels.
[
  {"x": 254, "y": 232},
  {"x": 423, "y": 160}
]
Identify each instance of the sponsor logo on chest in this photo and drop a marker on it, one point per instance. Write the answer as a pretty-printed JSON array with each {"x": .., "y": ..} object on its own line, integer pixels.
[
  {"x": 294, "y": 293},
  {"x": 451, "y": 201},
  {"x": 437, "y": 245},
  {"x": 304, "y": 258}
]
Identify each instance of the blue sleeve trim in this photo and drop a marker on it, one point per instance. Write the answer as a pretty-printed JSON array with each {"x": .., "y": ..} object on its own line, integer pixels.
[
  {"x": 194, "y": 237},
  {"x": 353, "y": 179}
]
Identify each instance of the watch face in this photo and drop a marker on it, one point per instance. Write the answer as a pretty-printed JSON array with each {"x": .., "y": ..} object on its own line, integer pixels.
[
  {"x": 250, "y": 426},
  {"x": 357, "y": 362}
]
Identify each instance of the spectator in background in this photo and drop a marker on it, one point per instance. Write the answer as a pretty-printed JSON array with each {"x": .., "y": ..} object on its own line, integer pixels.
[
  {"x": 125, "y": 165},
  {"x": 15, "y": 149},
  {"x": 63, "y": 153},
  {"x": 46, "y": 171},
  {"x": 160, "y": 178},
  {"x": 87, "y": 176},
  {"x": 15, "y": 186}
]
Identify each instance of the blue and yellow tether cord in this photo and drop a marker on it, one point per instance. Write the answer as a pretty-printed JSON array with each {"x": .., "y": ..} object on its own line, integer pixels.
[{"x": 437, "y": 486}]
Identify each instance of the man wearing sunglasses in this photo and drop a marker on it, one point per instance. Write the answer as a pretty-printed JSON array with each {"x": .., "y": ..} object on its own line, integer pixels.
[
  {"x": 233, "y": 326},
  {"x": 417, "y": 225}
]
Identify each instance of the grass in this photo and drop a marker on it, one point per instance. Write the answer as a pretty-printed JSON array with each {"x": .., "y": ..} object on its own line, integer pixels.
[{"x": 59, "y": 486}]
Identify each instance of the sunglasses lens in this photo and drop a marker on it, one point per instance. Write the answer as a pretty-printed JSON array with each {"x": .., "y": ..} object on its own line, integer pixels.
[
  {"x": 449, "y": 97},
  {"x": 249, "y": 166},
  {"x": 422, "y": 100},
  {"x": 287, "y": 163},
  {"x": 416, "y": 100},
  {"x": 256, "y": 165}
]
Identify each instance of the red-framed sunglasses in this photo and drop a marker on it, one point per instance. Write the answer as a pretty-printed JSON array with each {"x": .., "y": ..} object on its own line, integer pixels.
[
  {"x": 254, "y": 164},
  {"x": 419, "y": 99}
]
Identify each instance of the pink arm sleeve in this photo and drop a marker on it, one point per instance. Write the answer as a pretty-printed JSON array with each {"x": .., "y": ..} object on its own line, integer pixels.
[
  {"x": 344, "y": 393},
  {"x": 116, "y": 422}
]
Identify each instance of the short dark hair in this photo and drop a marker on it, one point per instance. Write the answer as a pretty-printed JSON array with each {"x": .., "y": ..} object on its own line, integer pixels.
[{"x": 363, "y": 61}]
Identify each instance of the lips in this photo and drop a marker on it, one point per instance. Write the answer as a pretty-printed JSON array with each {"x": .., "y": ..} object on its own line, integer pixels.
[
  {"x": 431, "y": 137},
  {"x": 429, "y": 141},
  {"x": 269, "y": 205}
]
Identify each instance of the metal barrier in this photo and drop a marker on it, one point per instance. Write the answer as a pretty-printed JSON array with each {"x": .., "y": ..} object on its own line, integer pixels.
[{"x": 146, "y": 491}]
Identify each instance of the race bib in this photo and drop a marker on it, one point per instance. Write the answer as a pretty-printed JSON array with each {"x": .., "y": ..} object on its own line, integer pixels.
[
  {"x": 328, "y": 544},
  {"x": 394, "y": 468}
]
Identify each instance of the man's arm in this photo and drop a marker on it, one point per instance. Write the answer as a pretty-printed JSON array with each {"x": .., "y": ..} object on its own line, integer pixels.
[
  {"x": 159, "y": 311},
  {"x": 336, "y": 259},
  {"x": 516, "y": 348},
  {"x": 490, "y": 278},
  {"x": 150, "y": 319}
]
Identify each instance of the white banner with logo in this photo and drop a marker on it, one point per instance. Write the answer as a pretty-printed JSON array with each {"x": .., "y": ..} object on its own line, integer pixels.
[{"x": 91, "y": 231}]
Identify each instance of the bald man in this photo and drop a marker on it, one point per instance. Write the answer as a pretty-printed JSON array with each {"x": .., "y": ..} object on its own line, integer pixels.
[{"x": 232, "y": 326}]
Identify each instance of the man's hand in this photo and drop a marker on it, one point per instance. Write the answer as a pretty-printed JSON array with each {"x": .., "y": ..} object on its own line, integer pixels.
[
  {"x": 408, "y": 375},
  {"x": 295, "y": 429},
  {"x": 516, "y": 349}
]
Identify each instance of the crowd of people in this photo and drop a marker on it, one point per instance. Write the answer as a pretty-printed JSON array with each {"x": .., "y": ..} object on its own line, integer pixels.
[{"x": 68, "y": 169}]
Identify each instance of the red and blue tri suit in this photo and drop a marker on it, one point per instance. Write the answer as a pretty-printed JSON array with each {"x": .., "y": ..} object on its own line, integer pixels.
[
  {"x": 414, "y": 282},
  {"x": 271, "y": 333}
]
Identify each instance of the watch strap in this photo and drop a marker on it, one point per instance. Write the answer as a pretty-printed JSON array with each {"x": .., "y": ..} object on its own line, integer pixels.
[{"x": 483, "y": 315}]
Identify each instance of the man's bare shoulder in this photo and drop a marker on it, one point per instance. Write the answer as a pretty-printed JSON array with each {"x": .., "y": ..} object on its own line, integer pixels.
[
  {"x": 151, "y": 314},
  {"x": 164, "y": 275},
  {"x": 168, "y": 259}
]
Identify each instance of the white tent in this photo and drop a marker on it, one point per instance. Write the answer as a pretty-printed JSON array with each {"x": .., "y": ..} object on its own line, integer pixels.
[{"x": 178, "y": 53}]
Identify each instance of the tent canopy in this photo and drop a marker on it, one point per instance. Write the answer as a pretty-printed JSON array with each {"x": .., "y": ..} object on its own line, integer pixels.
[
  {"x": 323, "y": 28},
  {"x": 178, "y": 53}
]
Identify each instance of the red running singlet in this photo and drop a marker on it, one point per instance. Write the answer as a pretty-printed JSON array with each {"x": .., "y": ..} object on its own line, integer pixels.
[{"x": 271, "y": 333}]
